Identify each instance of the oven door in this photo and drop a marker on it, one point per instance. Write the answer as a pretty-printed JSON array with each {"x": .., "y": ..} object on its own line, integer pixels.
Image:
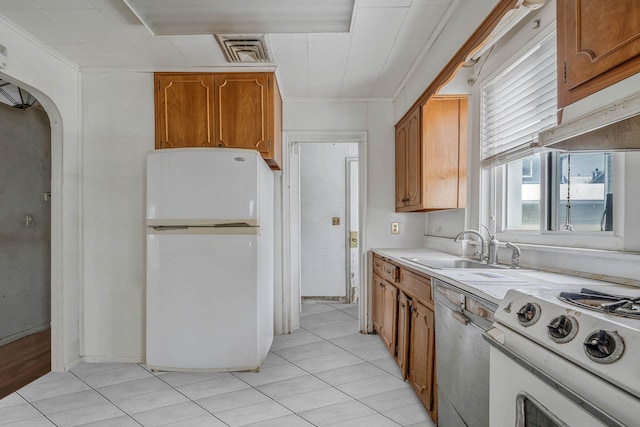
[{"x": 522, "y": 394}]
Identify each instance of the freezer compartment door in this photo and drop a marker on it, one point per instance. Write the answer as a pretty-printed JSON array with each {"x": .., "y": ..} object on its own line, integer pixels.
[
  {"x": 199, "y": 184},
  {"x": 203, "y": 310}
]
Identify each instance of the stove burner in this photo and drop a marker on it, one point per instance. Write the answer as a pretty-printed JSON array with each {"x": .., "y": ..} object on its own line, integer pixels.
[{"x": 619, "y": 305}]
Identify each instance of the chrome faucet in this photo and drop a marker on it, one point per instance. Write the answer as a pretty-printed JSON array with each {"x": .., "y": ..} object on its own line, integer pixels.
[
  {"x": 515, "y": 256},
  {"x": 476, "y": 233},
  {"x": 492, "y": 257}
]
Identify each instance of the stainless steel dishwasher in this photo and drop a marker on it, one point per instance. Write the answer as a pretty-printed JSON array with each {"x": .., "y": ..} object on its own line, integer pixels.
[{"x": 462, "y": 356}]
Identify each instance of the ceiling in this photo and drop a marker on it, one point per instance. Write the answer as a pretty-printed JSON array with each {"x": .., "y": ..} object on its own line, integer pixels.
[{"x": 370, "y": 62}]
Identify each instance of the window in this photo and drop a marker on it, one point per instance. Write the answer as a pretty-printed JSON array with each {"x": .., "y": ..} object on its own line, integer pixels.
[
  {"x": 539, "y": 192},
  {"x": 578, "y": 197},
  {"x": 583, "y": 192},
  {"x": 523, "y": 194}
]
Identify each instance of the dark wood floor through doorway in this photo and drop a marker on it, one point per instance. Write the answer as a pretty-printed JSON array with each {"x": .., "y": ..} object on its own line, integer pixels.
[{"x": 24, "y": 361}]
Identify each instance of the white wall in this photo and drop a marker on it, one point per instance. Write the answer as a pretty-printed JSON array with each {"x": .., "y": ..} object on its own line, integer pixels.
[
  {"x": 55, "y": 83},
  {"x": 118, "y": 131}
]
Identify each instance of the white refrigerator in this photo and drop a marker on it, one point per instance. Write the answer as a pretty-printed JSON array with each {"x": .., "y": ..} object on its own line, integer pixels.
[{"x": 209, "y": 259}]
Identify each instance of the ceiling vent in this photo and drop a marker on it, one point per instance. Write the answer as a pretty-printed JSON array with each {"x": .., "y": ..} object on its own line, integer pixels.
[{"x": 240, "y": 48}]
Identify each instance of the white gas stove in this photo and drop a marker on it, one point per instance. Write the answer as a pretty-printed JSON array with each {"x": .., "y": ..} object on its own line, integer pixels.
[{"x": 566, "y": 356}]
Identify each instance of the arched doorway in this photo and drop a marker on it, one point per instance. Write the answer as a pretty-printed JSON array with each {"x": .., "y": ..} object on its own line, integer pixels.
[
  {"x": 58, "y": 300},
  {"x": 25, "y": 238}
]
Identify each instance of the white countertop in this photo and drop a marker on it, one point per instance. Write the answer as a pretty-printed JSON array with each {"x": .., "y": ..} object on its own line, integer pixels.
[{"x": 488, "y": 284}]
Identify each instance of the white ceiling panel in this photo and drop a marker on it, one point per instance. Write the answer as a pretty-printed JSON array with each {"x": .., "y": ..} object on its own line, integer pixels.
[
  {"x": 329, "y": 76},
  {"x": 384, "y": 3},
  {"x": 297, "y": 82},
  {"x": 421, "y": 22},
  {"x": 390, "y": 78},
  {"x": 103, "y": 55},
  {"x": 41, "y": 25},
  {"x": 378, "y": 23},
  {"x": 291, "y": 54},
  {"x": 63, "y": 4},
  {"x": 312, "y": 60},
  {"x": 87, "y": 24},
  {"x": 430, "y": 2},
  {"x": 108, "y": 4},
  {"x": 200, "y": 51},
  {"x": 370, "y": 53},
  {"x": 161, "y": 53},
  {"x": 168, "y": 17},
  {"x": 404, "y": 53},
  {"x": 325, "y": 54},
  {"x": 18, "y": 5},
  {"x": 359, "y": 82}
]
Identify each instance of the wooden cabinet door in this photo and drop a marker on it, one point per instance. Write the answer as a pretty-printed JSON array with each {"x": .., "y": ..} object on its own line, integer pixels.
[
  {"x": 389, "y": 316},
  {"x": 184, "y": 110},
  {"x": 404, "y": 319},
  {"x": 414, "y": 162},
  {"x": 444, "y": 136},
  {"x": 440, "y": 124},
  {"x": 377, "y": 304},
  {"x": 598, "y": 45},
  {"x": 422, "y": 353},
  {"x": 402, "y": 136},
  {"x": 409, "y": 163},
  {"x": 244, "y": 118}
]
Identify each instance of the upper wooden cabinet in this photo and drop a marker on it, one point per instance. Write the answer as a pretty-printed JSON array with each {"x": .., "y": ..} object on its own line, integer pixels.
[
  {"x": 444, "y": 135},
  {"x": 248, "y": 113},
  {"x": 409, "y": 164},
  {"x": 598, "y": 45},
  {"x": 431, "y": 156},
  {"x": 232, "y": 110},
  {"x": 184, "y": 110}
]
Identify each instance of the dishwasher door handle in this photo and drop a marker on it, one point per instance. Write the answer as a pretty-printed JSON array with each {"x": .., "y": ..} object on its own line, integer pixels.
[{"x": 460, "y": 317}]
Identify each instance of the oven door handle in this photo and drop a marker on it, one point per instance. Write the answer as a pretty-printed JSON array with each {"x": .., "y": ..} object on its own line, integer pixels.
[{"x": 598, "y": 413}]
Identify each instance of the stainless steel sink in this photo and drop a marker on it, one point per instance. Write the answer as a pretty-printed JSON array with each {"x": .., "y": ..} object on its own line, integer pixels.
[{"x": 454, "y": 263}]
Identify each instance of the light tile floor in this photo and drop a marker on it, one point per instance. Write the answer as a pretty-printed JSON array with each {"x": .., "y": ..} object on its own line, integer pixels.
[{"x": 324, "y": 374}]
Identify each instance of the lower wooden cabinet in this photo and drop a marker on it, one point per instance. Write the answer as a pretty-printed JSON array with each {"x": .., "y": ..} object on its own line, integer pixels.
[
  {"x": 422, "y": 354},
  {"x": 402, "y": 347},
  {"x": 403, "y": 316},
  {"x": 385, "y": 311}
]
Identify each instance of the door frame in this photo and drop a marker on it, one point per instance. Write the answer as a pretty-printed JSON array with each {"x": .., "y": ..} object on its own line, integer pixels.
[
  {"x": 349, "y": 165},
  {"x": 288, "y": 298}
]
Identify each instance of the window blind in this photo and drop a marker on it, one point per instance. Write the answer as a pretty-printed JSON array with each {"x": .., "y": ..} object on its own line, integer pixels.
[{"x": 519, "y": 103}]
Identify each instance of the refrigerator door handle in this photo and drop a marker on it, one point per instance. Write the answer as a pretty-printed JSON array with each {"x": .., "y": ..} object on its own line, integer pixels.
[{"x": 169, "y": 227}]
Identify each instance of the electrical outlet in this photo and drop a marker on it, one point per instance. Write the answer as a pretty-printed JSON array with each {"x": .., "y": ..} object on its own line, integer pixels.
[{"x": 395, "y": 228}]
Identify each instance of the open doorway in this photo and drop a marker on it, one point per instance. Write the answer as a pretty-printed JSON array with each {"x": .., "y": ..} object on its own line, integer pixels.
[
  {"x": 25, "y": 239},
  {"x": 351, "y": 188},
  {"x": 328, "y": 219}
]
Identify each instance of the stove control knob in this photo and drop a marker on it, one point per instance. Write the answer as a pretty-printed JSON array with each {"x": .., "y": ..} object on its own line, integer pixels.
[
  {"x": 562, "y": 329},
  {"x": 529, "y": 314},
  {"x": 604, "y": 346}
]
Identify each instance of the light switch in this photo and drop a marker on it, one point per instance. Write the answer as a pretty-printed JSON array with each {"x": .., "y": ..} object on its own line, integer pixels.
[
  {"x": 29, "y": 221},
  {"x": 335, "y": 220}
]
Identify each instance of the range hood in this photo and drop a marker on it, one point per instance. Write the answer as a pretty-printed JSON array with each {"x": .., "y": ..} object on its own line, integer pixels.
[{"x": 613, "y": 128}]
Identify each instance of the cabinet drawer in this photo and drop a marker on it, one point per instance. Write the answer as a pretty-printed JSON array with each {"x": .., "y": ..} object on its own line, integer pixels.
[
  {"x": 385, "y": 269},
  {"x": 416, "y": 285}
]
